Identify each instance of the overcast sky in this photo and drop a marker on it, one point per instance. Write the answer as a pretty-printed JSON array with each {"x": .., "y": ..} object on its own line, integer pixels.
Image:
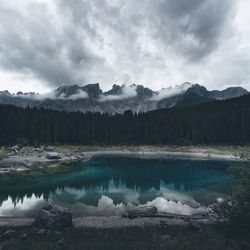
[{"x": 160, "y": 43}]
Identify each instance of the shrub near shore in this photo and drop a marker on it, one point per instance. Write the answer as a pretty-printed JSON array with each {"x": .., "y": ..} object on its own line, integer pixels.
[{"x": 236, "y": 209}]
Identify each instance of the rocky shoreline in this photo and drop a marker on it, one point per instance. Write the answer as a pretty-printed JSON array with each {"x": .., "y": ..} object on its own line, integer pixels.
[
  {"x": 107, "y": 221},
  {"x": 18, "y": 158},
  {"x": 58, "y": 218},
  {"x": 58, "y": 222},
  {"x": 54, "y": 228}
]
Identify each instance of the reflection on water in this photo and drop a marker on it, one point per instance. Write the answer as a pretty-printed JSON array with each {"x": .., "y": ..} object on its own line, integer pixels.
[{"x": 111, "y": 185}]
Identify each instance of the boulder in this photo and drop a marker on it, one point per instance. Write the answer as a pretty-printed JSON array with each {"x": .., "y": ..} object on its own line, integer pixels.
[
  {"x": 54, "y": 156},
  {"x": 15, "y": 148},
  {"x": 54, "y": 217}
]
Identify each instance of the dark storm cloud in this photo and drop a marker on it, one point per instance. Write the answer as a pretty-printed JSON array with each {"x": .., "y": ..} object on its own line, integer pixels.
[
  {"x": 32, "y": 43},
  {"x": 64, "y": 41},
  {"x": 194, "y": 28}
]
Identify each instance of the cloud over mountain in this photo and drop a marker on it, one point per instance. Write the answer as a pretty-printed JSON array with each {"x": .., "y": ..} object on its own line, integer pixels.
[{"x": 124, "y": 93}]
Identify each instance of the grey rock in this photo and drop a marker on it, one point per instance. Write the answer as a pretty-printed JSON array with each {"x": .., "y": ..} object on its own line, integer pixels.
[
  {"x": 16, "y": 147},
  {"x": 54, "y": 156},
  {"x": 49, "y": 148},
  {"x": 54, "y": 217}
]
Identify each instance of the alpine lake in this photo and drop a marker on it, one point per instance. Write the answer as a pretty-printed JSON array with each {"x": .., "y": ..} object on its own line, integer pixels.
[{"x": 112, "y": 185}]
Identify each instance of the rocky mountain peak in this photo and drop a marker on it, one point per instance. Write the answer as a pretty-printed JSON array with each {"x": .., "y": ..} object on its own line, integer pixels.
[
  {"x": 230, "y": 92},
  {"x": 67, "y": 90},
  {"x": 119, "y": 98},
  {"x": 144, "y": 92},
  {"x": 5, "y": 92},
  {"x": 234, "y": 92},
  {"x": 198, "y": 90},
  {"x": 115, "y": 90},
  {"x": 93, "y": 90}
]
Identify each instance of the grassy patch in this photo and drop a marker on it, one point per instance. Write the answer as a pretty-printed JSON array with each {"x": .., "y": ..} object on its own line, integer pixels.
[
  {"x": 44, "y": 171},
  {"x": 151, "y": 237},
  {"x": 3, "y": 152}
]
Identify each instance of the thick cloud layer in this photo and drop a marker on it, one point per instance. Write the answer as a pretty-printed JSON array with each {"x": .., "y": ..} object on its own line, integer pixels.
[
  {"x": 156, "y": 43},
  {"x": 126, "y": 92},
  {"x": 54, "y": 95}
]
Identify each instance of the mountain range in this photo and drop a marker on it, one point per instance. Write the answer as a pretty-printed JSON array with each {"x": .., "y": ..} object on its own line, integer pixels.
[{"x": 119, "y": 98}]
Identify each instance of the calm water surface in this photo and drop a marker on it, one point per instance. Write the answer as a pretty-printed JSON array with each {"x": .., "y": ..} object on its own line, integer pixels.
[{"x": 112, "y": 185}]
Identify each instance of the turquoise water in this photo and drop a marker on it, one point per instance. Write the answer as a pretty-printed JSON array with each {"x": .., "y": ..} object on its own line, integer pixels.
[{"x": 112, "y": 185}]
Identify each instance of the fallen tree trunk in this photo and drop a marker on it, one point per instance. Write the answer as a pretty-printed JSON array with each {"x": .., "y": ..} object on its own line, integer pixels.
[{"x": 153, "y": 212}]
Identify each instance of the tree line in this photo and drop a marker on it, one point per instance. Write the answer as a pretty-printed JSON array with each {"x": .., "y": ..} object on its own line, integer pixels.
[{"x": 221, "y": 122}]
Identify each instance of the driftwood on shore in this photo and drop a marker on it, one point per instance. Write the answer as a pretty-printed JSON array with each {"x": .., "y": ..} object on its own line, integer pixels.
[{"x": 151, "y": 211}]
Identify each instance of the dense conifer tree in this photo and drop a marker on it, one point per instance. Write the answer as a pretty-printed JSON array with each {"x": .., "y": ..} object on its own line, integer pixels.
[{"x": 222, "y": 122}]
